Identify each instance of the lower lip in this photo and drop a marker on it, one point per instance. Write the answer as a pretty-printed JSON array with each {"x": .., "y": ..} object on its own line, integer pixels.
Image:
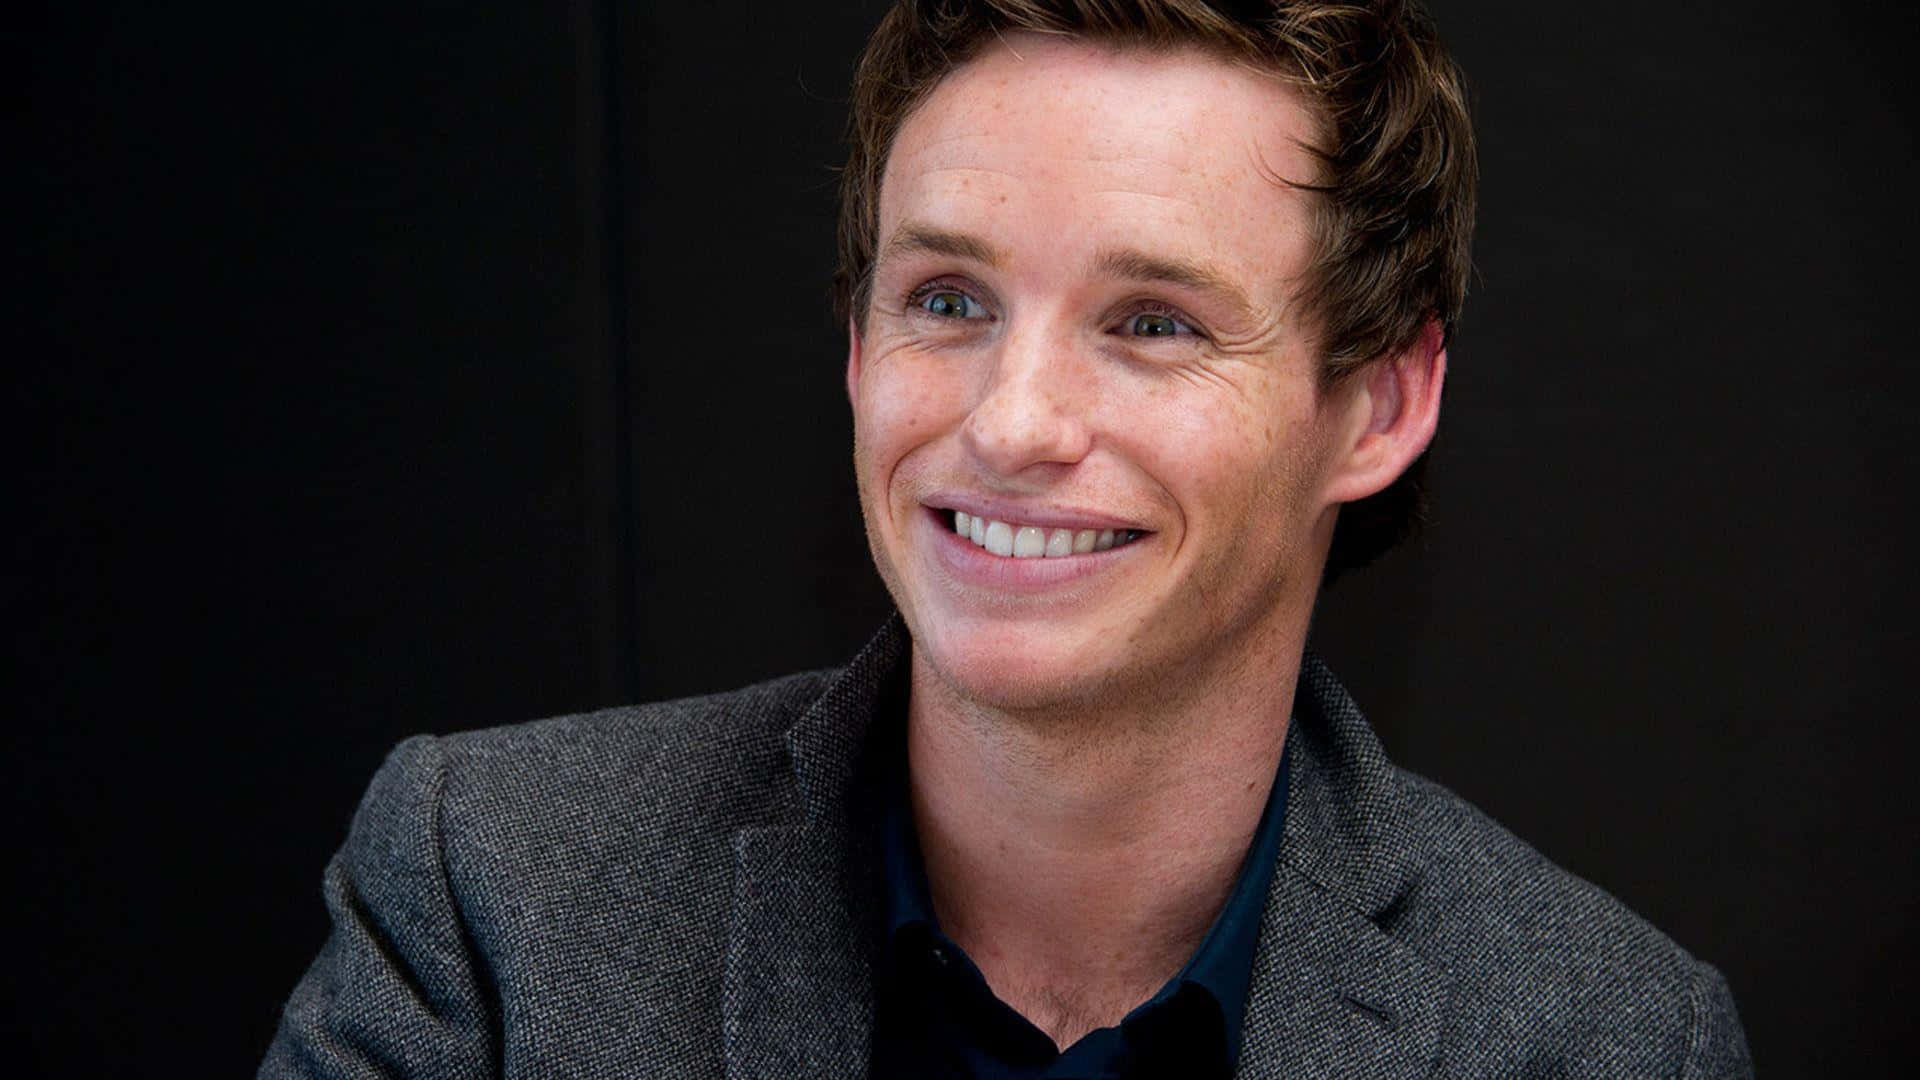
[{"x": 970, "y": 564}]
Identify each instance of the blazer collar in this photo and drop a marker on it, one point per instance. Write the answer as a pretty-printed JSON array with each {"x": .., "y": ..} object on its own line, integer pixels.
[
  {"x": 1333, "y": 990},
  {"x": 1346, "y": 827},
  {"x": 797, "y": 998}
]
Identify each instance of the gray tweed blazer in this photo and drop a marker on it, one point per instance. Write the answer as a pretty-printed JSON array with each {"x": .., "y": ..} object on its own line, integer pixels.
[{"x": 689, "y": 889}]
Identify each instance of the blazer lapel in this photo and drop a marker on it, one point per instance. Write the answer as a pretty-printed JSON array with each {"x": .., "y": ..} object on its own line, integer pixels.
[
  {"x": 1333, "y": 996},
  {"x": 798, "y": 987},
  {"x": 1334, "y": 993},
  {"x": 798, "y": 998}
]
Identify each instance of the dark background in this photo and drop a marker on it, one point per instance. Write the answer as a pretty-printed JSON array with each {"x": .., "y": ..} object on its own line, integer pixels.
[{"x": 426, "y": 367}]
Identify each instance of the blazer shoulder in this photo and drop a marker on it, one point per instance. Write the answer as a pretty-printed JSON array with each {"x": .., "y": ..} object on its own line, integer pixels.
[
  {"x": 522, "y": 893},
  {"x": 715, "y": 755},
  {"x": 1563, "y": 966},
  {"x": 761, "y": 711}
]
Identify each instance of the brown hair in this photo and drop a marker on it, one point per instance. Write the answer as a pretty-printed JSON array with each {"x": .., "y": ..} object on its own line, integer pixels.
[{"x": 1393, "y": 220}]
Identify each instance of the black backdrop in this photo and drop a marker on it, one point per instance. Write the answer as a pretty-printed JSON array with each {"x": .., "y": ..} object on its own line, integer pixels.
[{"x": 427, "y": 367}]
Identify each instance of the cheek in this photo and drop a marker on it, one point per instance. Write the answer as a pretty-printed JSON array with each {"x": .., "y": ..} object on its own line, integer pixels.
[
  {"x": 901, "y": 406},
  {"x": 1246, "y": 465}
]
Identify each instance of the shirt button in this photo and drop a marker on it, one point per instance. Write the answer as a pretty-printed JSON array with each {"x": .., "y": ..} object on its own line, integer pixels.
[{"x": 940, "y": 956}]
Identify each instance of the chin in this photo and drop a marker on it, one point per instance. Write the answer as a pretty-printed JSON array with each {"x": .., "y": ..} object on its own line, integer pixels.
[{"x": 1018, "y": 672}]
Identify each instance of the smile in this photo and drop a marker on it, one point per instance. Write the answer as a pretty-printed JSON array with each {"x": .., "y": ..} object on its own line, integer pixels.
[{"x": 1037, "y": 542}]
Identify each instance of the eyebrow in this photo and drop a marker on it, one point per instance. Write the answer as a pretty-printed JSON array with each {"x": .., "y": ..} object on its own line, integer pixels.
[
  {"x": 1130, "y": 265},
  {"x": 921, "y": 239}
]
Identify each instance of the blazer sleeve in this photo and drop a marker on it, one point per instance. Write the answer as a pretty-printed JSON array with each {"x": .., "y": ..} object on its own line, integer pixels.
[
  {"x": 1717, "y": 1045},
  {"x": 397, "y": 989}
]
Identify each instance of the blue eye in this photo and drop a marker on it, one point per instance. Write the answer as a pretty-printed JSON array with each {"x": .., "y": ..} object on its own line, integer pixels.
[{"x": 951, "y": 304}]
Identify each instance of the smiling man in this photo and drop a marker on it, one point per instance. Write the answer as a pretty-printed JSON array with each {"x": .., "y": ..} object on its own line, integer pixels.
[{"x": 1147, "y": 309}]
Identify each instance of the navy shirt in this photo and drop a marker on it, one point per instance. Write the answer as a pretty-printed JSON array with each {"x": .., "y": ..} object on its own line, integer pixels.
[{"x": 937, "y": 1017}]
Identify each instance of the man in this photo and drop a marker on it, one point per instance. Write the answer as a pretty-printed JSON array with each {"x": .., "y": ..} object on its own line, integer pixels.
[{"x": 1138, "y": 300}]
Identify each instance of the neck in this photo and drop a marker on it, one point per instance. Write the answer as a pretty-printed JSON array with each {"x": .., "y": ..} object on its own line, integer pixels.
[{"x": 1080, "y": 856}]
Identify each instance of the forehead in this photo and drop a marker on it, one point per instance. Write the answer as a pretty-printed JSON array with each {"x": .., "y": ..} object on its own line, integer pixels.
[{"x": 1088, "y": 140}]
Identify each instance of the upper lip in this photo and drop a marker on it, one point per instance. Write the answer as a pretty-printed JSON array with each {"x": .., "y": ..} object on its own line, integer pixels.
[{"x": 1015, "y": 512}]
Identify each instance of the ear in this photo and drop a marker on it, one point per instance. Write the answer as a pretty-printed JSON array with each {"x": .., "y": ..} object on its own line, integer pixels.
[
  {"x": 853, "y": 360},
  {"x": 1391, "y": 409}
]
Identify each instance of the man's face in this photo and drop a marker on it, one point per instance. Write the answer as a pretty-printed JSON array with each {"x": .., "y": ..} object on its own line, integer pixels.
[{"x": 1083, "y": 321}]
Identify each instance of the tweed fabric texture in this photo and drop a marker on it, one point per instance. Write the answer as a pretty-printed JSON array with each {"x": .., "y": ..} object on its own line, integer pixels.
[{"x": 691, "y": 889}]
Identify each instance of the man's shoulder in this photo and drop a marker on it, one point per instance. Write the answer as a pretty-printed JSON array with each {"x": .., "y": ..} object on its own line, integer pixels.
[
  {"x": 574, "y": 872},
  {"x": 1483, "y": 896},
  {"x": 1556, "y": 963},
  {"x": 703, "y": 725},
  {"x": 540, "y": 803},
  {"x": 661, "y": 760}
]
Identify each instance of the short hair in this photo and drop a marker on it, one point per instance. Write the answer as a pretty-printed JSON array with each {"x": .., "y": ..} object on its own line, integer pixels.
[{"x": 1393, "y": 200}]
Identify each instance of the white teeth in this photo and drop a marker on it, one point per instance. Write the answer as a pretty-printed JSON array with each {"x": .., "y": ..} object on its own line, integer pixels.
[
  {"x": 1035, "y": 541},
  {"x": 999, "y": 538}
]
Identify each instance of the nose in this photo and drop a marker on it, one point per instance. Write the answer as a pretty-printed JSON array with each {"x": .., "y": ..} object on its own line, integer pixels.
[{"x": 1031, "y": 410}]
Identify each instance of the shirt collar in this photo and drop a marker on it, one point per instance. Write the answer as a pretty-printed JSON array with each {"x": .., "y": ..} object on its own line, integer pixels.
[
  {"x": 909, "y": 900},
  {"x": 1223, "y": 965}
]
